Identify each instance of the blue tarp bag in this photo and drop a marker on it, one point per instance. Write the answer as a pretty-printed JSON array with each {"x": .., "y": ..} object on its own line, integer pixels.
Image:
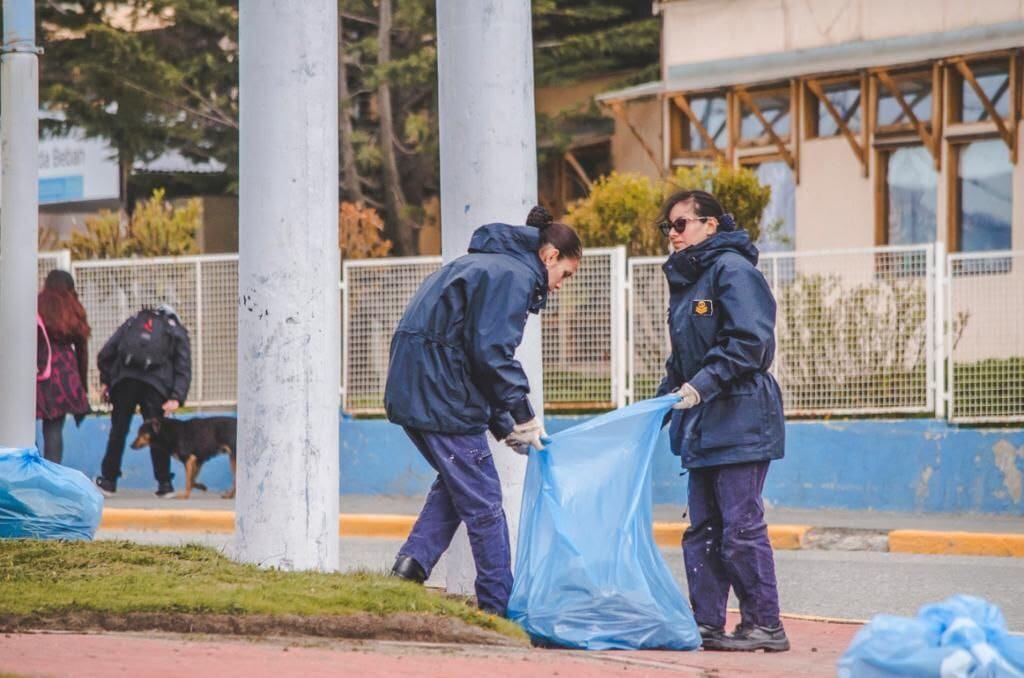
[
  {"x": 588, "y": 573},
  {"x": 43, "y": 500},
  {"x": 962, "y": 636}
]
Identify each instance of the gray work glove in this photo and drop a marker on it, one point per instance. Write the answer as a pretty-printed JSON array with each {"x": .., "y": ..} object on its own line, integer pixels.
[
  {"x": 688, "y": 397},
  {"x": 529, "y": 434}
]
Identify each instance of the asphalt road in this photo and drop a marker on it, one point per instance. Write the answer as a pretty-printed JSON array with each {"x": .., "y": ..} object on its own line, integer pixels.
[{"x": 843, "y": 584}]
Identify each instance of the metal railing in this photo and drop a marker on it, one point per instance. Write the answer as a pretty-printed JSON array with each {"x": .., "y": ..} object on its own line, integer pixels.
[
  {"x": 985, "y": 336},
  {"x": 880, "y": 330}
]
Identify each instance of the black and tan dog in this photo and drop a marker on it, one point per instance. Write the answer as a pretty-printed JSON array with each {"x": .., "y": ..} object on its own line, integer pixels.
[{"x": 194, "y": 442}]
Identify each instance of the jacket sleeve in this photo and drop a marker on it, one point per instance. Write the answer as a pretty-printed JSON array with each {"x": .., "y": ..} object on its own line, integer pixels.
[
  {"x": 182, "y": 364},
  {"x": 748, "y": 328},
  {"x": 107, "y": 356},
  {"x": 496, "y": 310},
  {"x": 81, "y": 346},
  {"x": 501, "y": 424}
]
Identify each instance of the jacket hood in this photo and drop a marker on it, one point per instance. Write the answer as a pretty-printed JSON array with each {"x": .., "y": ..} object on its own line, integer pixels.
[
  {"x": 685, "y": 266},
  {"x": 519, "y": 242}
]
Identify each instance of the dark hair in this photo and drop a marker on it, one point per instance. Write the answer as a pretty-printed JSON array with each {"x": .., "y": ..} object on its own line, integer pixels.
[
  {"x": 560, "y": 236},
  {"x": 60, "y": 309},
  {"x": 704, "y": 203}
]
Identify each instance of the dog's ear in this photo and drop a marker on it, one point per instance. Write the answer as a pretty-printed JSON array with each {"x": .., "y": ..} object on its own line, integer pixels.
[{"x": 155, "y": 425}]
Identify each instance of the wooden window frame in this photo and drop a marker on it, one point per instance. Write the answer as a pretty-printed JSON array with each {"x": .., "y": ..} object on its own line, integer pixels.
[
  {"x": 683, "y": 122},
  {"x": 953, "y": 195},
  {"x": 817, "y": 88},
  {"x": 771, "y": 144},
  {"x": 929, "y": 132},
  {"x": 959, "y": 71},
  {"x": 882, "y": 151}
]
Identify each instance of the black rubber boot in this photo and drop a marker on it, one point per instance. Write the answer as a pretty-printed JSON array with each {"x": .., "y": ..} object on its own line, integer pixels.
[
  {"x": 754, "y": 638},
  {"x": 710, "y": 637},
  {"x": 409, "y": 570}
]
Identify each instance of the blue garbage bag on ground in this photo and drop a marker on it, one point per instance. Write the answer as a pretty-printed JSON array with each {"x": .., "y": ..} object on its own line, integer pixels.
[
  {"x": 43, "y": 500},
  {"x": 962, "y": 636},
  {"x": 588, "y": 573}
]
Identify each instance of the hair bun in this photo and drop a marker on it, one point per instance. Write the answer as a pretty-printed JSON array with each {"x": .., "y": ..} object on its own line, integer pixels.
[
  {"x": 539, "y": 217},
  {"x": 727, "y": 221}
]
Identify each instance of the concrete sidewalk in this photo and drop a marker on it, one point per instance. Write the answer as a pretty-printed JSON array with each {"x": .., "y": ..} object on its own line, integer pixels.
[
  {"x": 789, "y": 529},
  {"x": 817, "y": 645}
]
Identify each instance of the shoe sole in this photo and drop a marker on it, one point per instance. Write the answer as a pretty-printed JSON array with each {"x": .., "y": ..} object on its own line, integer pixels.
[
  {"x": 169, "y": 495},
  {"x": 779, "y": 647}
]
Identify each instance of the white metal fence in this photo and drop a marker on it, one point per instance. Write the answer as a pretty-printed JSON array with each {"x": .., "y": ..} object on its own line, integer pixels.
[
  {"x": 985, "y": 336},
  {"x": 868, "y": 331}
]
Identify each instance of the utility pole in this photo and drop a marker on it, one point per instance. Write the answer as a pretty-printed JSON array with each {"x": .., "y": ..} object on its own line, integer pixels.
[
  {"x": 488, "y": 173},
  {"x": 288, "y": 314},
  {"x": 19, "y": 223}
]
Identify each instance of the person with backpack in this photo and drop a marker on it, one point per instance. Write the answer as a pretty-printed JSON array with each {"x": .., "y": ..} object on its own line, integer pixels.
[
  {"x": 146, "y": 364},
  {"x": 62, "y": 360}
]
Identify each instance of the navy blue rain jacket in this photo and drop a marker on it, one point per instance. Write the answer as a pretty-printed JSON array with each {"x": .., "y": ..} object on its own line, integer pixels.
[
  {"x": 452, "y": 367},
  {"x": 722, "y": 324}
]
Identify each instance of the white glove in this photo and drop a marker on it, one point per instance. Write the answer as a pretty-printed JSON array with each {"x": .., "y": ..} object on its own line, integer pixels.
[
  {"x": 688, "y": 397},
  {"x": 530, "y": 434}
]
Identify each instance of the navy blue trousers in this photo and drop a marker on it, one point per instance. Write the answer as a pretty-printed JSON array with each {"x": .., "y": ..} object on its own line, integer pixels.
[
  {"x": 727, "y": 545},
  {"x": 467, "y": 490}
]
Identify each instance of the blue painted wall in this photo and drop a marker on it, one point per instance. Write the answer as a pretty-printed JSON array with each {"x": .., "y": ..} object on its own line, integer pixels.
[{"x": 903, "y": 465}]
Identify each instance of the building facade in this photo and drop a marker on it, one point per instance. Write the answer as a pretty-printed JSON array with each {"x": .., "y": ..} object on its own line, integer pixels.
[{"x": 876, "y": 122}]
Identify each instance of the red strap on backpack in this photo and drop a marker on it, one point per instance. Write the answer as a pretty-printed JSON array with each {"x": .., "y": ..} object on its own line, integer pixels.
[{"x": 49, "y": 352}]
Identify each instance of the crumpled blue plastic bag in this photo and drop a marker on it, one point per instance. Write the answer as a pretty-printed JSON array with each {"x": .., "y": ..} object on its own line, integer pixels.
[
  {"x": 961, "y": 636},
  {"x": 43, "y": 500},
  {"x": 588, "y": 573}
]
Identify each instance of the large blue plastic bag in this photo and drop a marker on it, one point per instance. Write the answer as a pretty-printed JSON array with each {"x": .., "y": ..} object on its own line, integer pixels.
[
  {"x": 588, "y": 573},
  {"x": 43, "y": 500},
  {"x": 961, "y": 636}
]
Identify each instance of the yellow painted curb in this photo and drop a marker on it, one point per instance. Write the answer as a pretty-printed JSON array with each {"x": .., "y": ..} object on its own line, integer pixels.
[
  {"x": 783, "y": 537},
  {"x": 218, "y": 521},
  {"x": 957, "y": 543}
]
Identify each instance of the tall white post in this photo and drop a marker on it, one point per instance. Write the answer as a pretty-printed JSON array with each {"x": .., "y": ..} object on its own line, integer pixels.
[
  {"x": 288, "y": 324},
  {"x": 488, "y": 174},
  {"x": 19, "y": 224}
]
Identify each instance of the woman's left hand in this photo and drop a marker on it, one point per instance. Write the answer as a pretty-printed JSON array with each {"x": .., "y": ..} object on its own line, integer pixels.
[{"x": 688, "y": 397}]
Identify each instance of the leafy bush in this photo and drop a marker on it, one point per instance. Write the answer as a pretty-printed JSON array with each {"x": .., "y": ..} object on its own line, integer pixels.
[
  {"x": 156, "y": 228},
  {"x": 361, "y": 232},
  {"x": 622, "y": 208}
]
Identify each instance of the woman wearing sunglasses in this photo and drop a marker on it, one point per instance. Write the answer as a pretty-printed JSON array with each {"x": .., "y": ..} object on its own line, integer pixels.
[{"x": 728, "y": 423}]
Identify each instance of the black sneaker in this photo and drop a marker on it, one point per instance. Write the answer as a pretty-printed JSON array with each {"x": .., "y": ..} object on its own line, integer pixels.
[
  {"x": 752, "y": 638},
  {"x": 165, "y": 491},
  {"x": 107, "y": 487},
  {"x": 711, "y": 638},
  {"x": 408, "y": 569}
]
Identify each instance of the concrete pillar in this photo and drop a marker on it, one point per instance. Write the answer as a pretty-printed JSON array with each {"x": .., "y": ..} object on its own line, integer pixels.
[
  {"x": 19, "y": 224},
  {"x": 288, "y": 324},
  {"x": 488, "y": 173}
]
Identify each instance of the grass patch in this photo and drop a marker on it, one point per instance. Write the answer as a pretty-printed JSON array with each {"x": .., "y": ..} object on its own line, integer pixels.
[{"x": 47, "y": 578}]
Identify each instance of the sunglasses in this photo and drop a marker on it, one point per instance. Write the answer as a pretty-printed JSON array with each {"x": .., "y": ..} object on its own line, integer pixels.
[{"x": 680, "y": 224}]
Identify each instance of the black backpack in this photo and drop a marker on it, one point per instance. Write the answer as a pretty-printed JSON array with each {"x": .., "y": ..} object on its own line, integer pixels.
[{"x": 147, "y": 342}]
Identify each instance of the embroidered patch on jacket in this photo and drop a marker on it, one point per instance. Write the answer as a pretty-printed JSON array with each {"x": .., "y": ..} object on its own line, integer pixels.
[{"x": 703, "y": 307}]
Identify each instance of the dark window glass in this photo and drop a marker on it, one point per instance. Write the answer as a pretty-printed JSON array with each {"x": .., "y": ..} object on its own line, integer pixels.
[
  {"x": 911, "y": 179},
  {"x": 994, "y": 79},
  {"x": 845, "y": 98},
  {"x": 774, "y": 107},
  {"x": 711, "y": 112},
  {"x": 917, "y": 92},
  {"x": 986, "y": 196}
]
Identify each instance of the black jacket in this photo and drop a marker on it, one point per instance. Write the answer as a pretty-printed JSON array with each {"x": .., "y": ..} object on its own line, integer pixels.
[{"x": 172, "y": 379}]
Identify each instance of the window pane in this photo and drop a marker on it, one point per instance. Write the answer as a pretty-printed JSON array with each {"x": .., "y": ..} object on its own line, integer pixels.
[
  {"x": 712, "y": 114},
  {"x": 994, "y": 80},
  {"x": 845, "y": 98},
  {"x": 986, "y": 196},
  {"x": 917, "y": 92},
  {"x": 778, "y": 223},
  {"x": 911, "y": 179},
  {"x": 774, "y": 107}
]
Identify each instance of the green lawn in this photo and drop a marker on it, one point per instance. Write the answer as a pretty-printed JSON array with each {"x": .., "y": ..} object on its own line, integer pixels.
[{"x": 48, "y": 578}]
